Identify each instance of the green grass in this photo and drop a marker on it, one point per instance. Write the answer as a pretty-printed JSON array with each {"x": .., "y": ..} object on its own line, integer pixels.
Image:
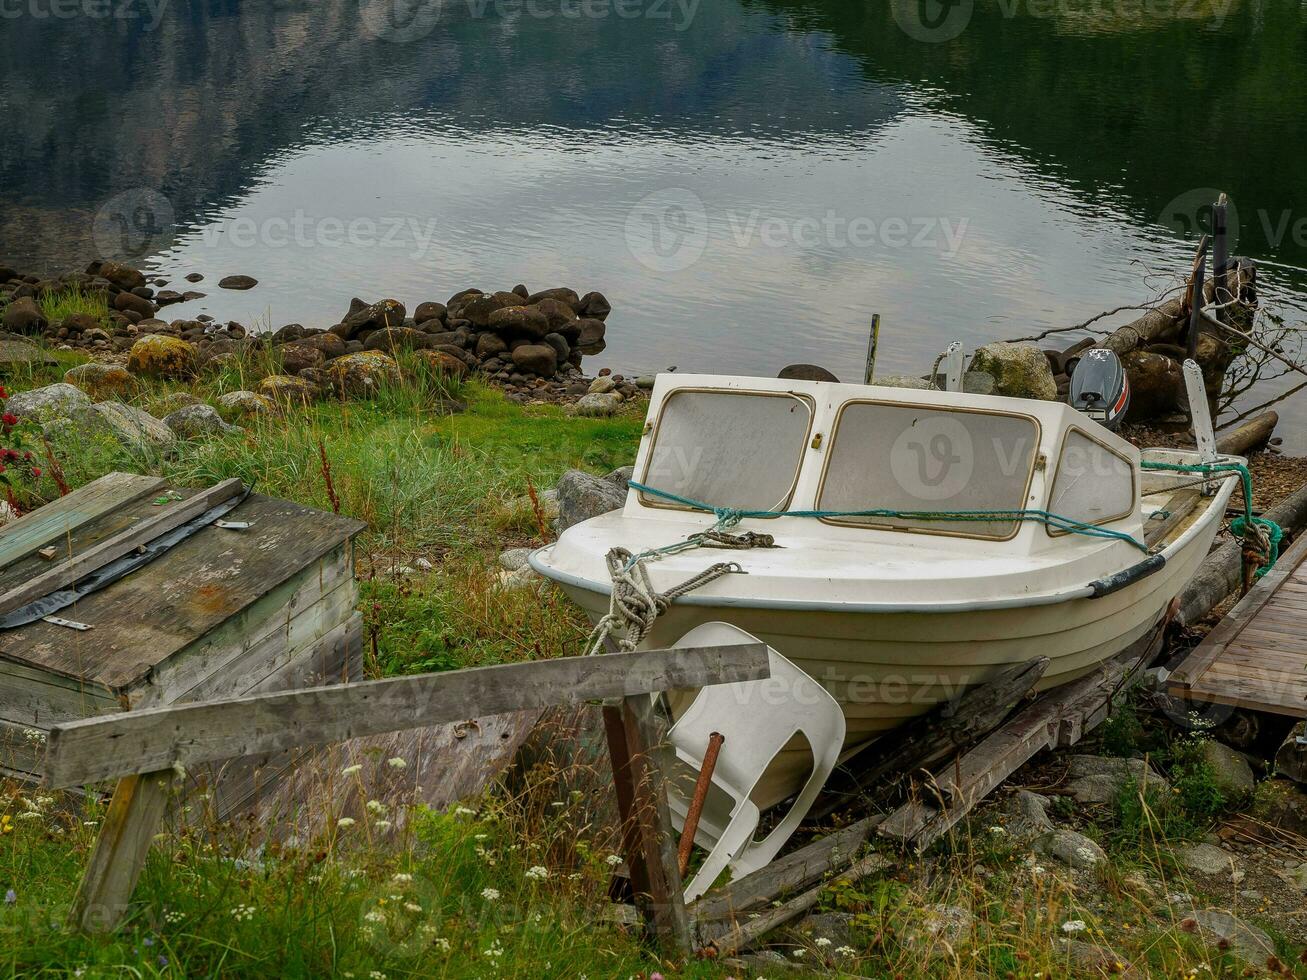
[{"x": 65, "y": 303}]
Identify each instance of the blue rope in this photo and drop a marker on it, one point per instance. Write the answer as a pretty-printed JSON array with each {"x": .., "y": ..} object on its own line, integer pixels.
[
  {"x": 1240, "y": 526},
  {"x": 730, "y": 516}
]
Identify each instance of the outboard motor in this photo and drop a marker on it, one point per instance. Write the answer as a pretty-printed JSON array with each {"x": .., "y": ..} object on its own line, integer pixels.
[{"x": 1099, "y": 387}]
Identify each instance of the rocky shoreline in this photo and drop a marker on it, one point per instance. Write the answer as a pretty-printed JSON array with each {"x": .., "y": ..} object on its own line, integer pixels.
[{"x": 530, "y": 344}]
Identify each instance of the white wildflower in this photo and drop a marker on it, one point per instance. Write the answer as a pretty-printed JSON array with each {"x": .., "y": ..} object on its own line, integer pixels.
[
  {"x": 442, "y": 944},
  {"x": 381, "y": 824},
  {"x": 34, "y": 735},
  {"x": 480, "y": 836},
  {"x": 996, "y": 829},
  {"x": 1074, "y": 925},
  {"x": 413, "y": 907},
  {"x": 462, "y": 811},
  {"x": 376, "y": 806},
  {"x": 243, "y": 913},
  {"x": 798, "y": 953},
  {"x": 495, "y": 951},
  {"x": 612, "y": 860},
  {"x": 537, "y": 873},
  {"x": 345, "y": 822},
  {"x": 350, "y": 770},
  {"x": 396, "y": 763},
  {"x": 822, "y": 941},
  {"x": 402, "y": 876},
  {"x": 845, "y": 951},
  {"x": 376, "y": 915},
  {"x": 490, "y": 894},
  {"x": 30, "y": 815}
]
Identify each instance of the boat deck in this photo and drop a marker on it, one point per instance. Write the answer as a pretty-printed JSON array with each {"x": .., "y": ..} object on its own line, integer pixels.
[{"x": 1257, "y": 656}]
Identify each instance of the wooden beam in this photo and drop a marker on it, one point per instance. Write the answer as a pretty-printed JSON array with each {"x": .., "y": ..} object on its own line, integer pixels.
[
  {"x": 1180, "y": 506},
  {"x": 129, "y": 826},
  {"x": 154, "y": 739},
  {"x": 48, "y": 524},
  {"x": 77, "y": 567}
]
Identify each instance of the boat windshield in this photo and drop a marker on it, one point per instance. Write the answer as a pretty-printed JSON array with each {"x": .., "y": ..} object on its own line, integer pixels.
[
  {"x": 926, "y": 458},
  {"x": 735, "y": 449}
]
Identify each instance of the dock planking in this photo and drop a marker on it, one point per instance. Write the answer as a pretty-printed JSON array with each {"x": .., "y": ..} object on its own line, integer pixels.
[{"x": 1257, "y": 656}]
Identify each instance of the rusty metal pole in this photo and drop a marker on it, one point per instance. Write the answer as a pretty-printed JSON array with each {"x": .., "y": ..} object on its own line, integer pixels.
[{"x": 695, "y": 811}]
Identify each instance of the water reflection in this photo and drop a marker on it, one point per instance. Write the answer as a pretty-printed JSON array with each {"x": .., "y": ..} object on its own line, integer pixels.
[{"x": 748, "y": 181}]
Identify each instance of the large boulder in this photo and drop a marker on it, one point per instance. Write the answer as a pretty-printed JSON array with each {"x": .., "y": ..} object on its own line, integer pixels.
[
  {"x": 283, "y": 389},
  {"x": 477, "y": 307},
  {"x": 588, "y": 336},
  {"x": 159, "y": 356},
  {"x": 560, "y": 293},
  {"x": 582, "y": 496},
  {"x": 237, "y": 282},
  {"x": 134, "y": 427},
  {"x": 102, "y": 380},
  {"x": 297, "y": 356},
  {"x": 198, "y": 422},
  {"x": 244, "y": 405},
  {"x": 1018, "y": 370},
  {"x": 122, "y": 276},
  {"x": 1207, "y": 859},
  {"x": 429, "y": 312},
  {"x": 1072, "y": 849},
  {"x": 444, "y": 363},
  {"x": 598, "y": 405},
  {"x": 24, "y": 316},
  {"x": 538, "y": 359},
  {"x": 329, "y": 343},
  {"x": 594, "y": 305},
  {"x": 1156, "y": 384},
  {"x": 806, "y": 372},
  {"x": 1220, "y": 931},
  {"x": 52, "y": 401},
  {"x": 1230, "y": 770},
  {"x": 522, "y": 321},
  {"x": 1102, "y": 779},
  {"x": 560, "y": 315},
  {"x": 393, "y": 339},
  {"x": 131, "y": 303},
  {"x": 363, "y": 374},
  {"x": 370, "y": 316}
]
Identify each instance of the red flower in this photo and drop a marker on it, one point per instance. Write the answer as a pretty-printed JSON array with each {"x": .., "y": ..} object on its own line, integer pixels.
[
  {"x": 4, "y": 392},
  {"x": 9, "y": 418},
  {"x": 36, "y": 471}
]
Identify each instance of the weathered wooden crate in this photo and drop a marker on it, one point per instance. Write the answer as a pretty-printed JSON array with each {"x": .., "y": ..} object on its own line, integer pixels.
[{"x": 224, "y": 613}]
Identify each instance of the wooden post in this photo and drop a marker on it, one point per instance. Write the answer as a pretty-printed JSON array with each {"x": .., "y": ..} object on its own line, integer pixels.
[
  {"x": 647, "y": 822},
  {"x": 129, "y": 826}
]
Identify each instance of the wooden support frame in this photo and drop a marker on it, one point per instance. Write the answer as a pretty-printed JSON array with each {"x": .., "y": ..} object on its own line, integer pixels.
[{"x": 143, "y": 749}]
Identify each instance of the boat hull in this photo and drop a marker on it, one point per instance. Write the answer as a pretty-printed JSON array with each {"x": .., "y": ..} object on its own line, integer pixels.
[{"x": 885, "y": 668}]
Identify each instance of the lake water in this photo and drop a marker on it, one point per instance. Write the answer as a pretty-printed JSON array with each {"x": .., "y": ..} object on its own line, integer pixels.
[{"x": 748, "y": 182}]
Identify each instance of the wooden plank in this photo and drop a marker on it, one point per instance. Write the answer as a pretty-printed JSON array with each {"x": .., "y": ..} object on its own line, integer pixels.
[
  {"x": 653, "y": 819},
  {"x": 47, "y": 524},
  {"x": 34, "y": 698},
  {"x": 147, "y": 617},
  {"x": 619, "y": 756},
  {"x": 1180, "y": 506},
  {"x": 78, "y": 566},
  {"x": 793, "y": 872},
  {"x": 1183, "y": 677},
  {"x": 157, "y": 738},
  {"x": 120, "y": 849}
]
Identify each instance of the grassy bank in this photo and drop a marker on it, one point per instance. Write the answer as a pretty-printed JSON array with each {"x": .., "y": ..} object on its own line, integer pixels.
[{"x": 513, "y": 884}]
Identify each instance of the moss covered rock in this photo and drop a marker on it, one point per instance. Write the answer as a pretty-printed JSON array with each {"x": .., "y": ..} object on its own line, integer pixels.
[
  {"x": 102, "y": 381},
  {"x": 363, "y": 374},
  {"x": 158, "y": 356},
  {"x": 281, "y": 389},
  {"x": 1018, "y": 370}
]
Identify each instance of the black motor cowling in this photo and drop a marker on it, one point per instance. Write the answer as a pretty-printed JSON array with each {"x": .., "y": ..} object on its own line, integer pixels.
[{"x": 1099, "y": 387}]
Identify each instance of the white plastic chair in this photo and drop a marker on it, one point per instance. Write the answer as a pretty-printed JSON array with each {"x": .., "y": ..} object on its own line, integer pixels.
[{"x": 758, "y": 719}]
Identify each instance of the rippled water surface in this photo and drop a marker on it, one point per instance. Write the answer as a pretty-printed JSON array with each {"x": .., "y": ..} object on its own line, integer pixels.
[{"x": 748, "y": 182}]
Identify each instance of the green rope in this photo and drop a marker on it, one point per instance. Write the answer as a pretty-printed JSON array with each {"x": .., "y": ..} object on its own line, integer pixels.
[
  {"x": 730, "y": 516},
  {"x": 1242, "y": 527}
]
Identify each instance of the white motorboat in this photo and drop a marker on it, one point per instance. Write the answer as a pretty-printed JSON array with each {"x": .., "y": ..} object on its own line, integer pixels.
[{"x": 924, "y": 539}]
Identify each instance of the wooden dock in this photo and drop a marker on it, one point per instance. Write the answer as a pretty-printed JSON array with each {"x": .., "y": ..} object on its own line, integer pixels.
[{"x": 1257, "y": 656}]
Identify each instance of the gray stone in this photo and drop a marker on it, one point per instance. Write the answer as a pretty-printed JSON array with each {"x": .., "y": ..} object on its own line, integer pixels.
[
  {"x": 1101, "y": 779},
  {"x": 1026, "y": 815},
  {"x": 15, "y": 352},
  {"x": 525, "y": 577},
  {"x": 977, "y": 383},
  {"x": 514, "y": 558},
  {"x": 1219, "y": 929},
  {"x": 645, "y": 382},
  {"x": 175, "y": 400},
  {"x": 23, "y": 316},
  {"x": 1018, "y": 370},
  {"x": 1072, "y": 848},
  {"x": 52, "y": 401},
  {"x": 198, "y": 421},
  {"x": 1230, "y": 770},
  {"x": 948, "y": 923},
  {"x": 602, "y": 385},
  {"x": 621, "y": 477},
  {"x": 596, "y": 405},
  {"x": 582, "y": 496},
  {"x": 134, "y": 427},
  {"x": 835, "y": 926},
  {"x": 1206, "y": 859},
  {"x": 1298, "y": 877}
]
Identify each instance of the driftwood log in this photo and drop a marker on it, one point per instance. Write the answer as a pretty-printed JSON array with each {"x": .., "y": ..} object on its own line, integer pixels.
[{"x": 1252, "y": 434}]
